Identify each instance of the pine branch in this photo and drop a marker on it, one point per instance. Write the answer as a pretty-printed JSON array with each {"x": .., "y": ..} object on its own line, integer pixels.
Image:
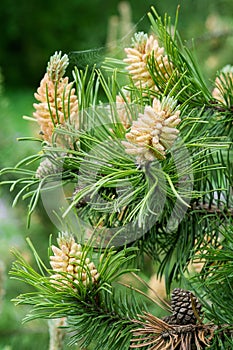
[
  {"x": 90, "y": 310},
  {"x": 150, "y": 166}
]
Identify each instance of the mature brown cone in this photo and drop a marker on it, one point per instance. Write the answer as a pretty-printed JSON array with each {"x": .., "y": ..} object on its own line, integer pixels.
[{"x": 185, "y": 306}]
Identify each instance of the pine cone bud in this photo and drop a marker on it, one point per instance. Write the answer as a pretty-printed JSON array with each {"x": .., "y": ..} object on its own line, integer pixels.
[
  {"x": 223, "y": 83},
  {"x": 57, "y": 66},
  {"x": 154, "y": 132},
  {"x": 144, "y": 48},
  {"x": 183, "y": 304},
  {"x": 71, "y": 260},
  {"x": 57, "y": 104}
]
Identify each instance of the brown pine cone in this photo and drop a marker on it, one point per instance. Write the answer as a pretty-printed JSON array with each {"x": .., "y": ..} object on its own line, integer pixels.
[{"x": 183, "y": 304}]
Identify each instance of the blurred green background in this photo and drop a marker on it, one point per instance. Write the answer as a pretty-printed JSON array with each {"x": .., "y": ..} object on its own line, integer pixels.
[{"x": 33, "y": 30}]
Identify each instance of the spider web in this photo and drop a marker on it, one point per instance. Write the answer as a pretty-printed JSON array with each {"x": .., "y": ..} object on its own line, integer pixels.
[{"x": 96, "y": 56}]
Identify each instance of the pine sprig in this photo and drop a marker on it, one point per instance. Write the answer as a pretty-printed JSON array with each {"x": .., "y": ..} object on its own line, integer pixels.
[
  {"x": 112, "y": 324},
  {"x": 186, "y": 81},
  {"x": 96, "y": 309},
  {"x": 87, "y": 86}
]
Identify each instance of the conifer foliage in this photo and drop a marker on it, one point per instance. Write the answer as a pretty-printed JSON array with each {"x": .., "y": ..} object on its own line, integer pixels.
[{"x": 146, "y": 171}]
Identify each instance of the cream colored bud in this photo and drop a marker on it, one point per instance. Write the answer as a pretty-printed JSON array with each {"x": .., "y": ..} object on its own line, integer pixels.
[
  {"x": 74, "y": 263},
  {"x": 70, "y": 268},
  {"x": 58, "y": 258},
  {"x": 59, "y": 266},
  {"x": 156, "y": 127},
  {"x": 91, "y": 265},
  {"x": 56, "y": 250},
  {"x": 65, "y": 249},
  {"x": 93, "y": 272}
]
